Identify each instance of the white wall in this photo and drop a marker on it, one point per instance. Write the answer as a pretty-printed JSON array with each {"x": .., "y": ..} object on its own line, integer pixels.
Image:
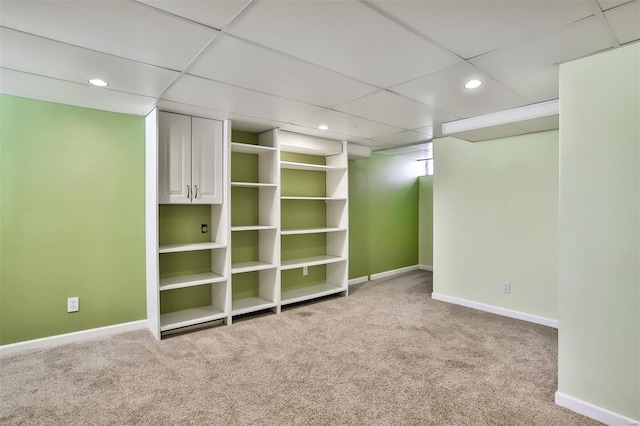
[
  {"x": 495, "y": 215},
  {"x": 599, "y": 276}
]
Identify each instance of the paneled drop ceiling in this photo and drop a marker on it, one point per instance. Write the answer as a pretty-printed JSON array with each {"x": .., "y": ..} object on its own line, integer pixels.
[{"x": 384, "y": 74}]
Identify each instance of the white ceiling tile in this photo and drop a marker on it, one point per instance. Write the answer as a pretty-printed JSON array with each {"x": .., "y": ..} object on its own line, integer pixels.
[
  {"x": 48, "y": 89},
  {"x": 395, "y": 110},
  {"x": 127, "y": 29},
  {"x": 344, "y": 36},
  {"x": 625, "y": 21},
  {"x": 210, "y": 94},
  {"x": 403, "y": 138},
  {"x": 403, "y": 150},
  {"x": 319, "y": 133},
  {"x": 427, "y": 146},
  {"x": 243, "y": 64},
  {"x": 25, "y": 52},
  {"x": 489, "y": 133},
  {"x": 531, "y": 68},
  {"x": 471, "y": 28},
  {"x": 239, "y": 122},
  {"x": 426, "y": 130},
  {"x": 347, "y": 124},
  {"x": 609, "y": 4},
  {"x": 541, "y": 124},
  {"x": 216, "y": 14},
  {"x": 445, "y": 90},
  {"x": 376, "y": 145}
]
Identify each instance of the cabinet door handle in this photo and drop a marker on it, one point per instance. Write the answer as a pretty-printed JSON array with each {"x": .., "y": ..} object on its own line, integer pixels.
[
  {"x": 188, "y": 192},
  {"x": 196, "y": 188}
]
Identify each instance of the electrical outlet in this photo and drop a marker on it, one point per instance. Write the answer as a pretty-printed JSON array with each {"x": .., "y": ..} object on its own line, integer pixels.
[
  {"x": 506, "y": 287},
  {"x": 73, "y": 304},
  {"x": 305, "y": 270},
  {"x": 204, "y": 228}
]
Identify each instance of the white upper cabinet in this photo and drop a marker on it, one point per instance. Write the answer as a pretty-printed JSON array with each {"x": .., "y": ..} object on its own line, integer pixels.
[
  {"x": 206, "y": 161},
  {"x": 189, "y": 160}
]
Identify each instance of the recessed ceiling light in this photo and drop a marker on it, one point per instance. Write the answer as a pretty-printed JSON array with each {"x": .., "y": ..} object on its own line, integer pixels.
[
  {"x": 473, "y": 84},
  {"x": 323, "y": 127},
  {"x": 98, "y": 82}
]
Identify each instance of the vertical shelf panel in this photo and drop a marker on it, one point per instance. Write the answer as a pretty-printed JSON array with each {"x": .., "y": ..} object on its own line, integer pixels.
[
  {"x": 309, "y": 227},
  {"x": 255, "y": 202},
  {"x": 190, "y": 249}
]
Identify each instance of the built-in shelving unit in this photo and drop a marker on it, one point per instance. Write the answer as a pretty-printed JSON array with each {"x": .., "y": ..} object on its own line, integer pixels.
[
  {"x": 187, "y": 222},
  {"x": 275, "y": 233},
  {"x": 314, "y": 218},
  {"x": 254, "y": 224}
]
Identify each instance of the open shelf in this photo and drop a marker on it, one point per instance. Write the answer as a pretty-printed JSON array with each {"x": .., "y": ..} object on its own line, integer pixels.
[
  {"x": 252, "y": 228},
  {"x": 308, "y": 293},
  {"x": 190, "y": 280},
  {"x": 286, "y": 197},
  {"x": 250, "y": 149},
  {"x": 310, "y": 231},
  {"x": 252, "y": 185},
  {"x": 310, "y": 261},
  {"x": 175, "y": 248},
  {"x": 239, "y": 268},
  {"x": 307, "y": 166},
  {"x": 188, "y": 317},
  {"x": 251, "y": 304}
]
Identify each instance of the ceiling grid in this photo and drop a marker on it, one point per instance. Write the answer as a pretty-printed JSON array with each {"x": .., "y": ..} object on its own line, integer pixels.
[{"x": 379, "y": 73}]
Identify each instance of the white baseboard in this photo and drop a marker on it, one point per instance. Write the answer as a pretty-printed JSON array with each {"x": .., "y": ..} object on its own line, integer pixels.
[
  {"x": 63, "y": 339},
  {"x": 593, "y": 411},
  {"x": 497, "y": 310},
  {"x": 393, "y": 272},
  {"x": 425, "y": 268},
  {"x": 359, "y": 280}
]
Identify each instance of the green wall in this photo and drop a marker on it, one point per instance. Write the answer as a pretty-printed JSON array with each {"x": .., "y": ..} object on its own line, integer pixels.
[
  {"x": 425, "y": 221},
  {"x": 72, "y": 218},
  {"x": 383, "y": 215},
  {"x": 599, "y": 251},
  {"x": 495, "y": 214}
]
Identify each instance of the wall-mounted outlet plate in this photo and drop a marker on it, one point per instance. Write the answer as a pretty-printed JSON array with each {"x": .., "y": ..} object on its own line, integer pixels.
[
  {"x": 506, "y": 287},
  {"x": 204, "y": 228},
  {"x": 73, "y": 304},
  {"x": 305, "y": 270}
]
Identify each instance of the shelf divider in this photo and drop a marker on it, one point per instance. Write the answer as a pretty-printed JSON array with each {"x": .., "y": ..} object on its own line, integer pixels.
[
  {"x": 308, "y": 293},
  {"x": 175, "y": 248},
  {"x": 190, "y": 280},
  {"x": 310, "y": 261},
  {"x": 309, "y": 167},
  {"x": 188, "y": 317}
]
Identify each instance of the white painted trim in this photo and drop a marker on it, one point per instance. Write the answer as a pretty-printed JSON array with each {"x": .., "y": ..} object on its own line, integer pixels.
[
  {"x": 356, "y": 151},
  {"x": 393, "y": 272},
  {"x": 78, "y": 336},
  {"x": 593, "y": 411},
  {"x": 497, "y": 310},
  {"x": 425, "y": 268},
  {"x": 528, "y": 112},
  {"x": 358, "y": 280}
]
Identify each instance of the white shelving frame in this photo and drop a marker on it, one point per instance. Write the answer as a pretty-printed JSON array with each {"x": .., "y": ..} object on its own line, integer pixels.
[
  {"x": 337, "y": 215},
  {"x": 217, "y": 278},
  {"x": 268, "y": 227},
  {"x": 268, "y": 266}
]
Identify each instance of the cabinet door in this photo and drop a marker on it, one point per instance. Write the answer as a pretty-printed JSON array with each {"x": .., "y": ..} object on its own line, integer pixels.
[
  {"x": 206, "y": 163},
  {"x": 174, "y": 159}
]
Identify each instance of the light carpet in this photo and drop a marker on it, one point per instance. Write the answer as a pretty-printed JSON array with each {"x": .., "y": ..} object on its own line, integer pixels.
[{"x": 386, "y": 355}]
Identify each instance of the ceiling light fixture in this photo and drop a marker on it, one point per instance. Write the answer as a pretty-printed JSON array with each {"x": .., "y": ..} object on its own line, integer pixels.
[
  {"x": 98, "y": 82},
  {"x": 323, "y": 127},
  {"x": 473, "y": 84}
]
